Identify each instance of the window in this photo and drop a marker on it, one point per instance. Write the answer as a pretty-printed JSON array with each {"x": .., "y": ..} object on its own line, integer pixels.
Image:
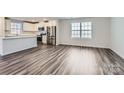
[
  {"x": 76, "y": 30},
  {"x": 81, "y": 30},
  {"x": 16, "y": 27},
  {"x": 86, "y": 30}
]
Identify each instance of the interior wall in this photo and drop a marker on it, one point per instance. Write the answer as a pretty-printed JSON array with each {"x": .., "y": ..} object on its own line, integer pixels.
[
  {"x": 100, "y": 36},
  {"x": 117, "y": 35}
]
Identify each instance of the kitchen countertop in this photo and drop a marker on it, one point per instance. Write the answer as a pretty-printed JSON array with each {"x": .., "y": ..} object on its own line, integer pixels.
[
  {"x": 17, "y": 37},
  {"x": 11, "y": 44}
]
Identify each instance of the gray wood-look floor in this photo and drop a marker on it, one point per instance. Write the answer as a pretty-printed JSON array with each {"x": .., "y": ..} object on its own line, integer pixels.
[{"x": 62, "y": 60}]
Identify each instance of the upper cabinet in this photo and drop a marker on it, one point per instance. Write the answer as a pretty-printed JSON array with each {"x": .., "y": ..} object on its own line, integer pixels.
[
  {"x": 26, "y": 26},
  {"x": 7, "y": 24},
  {"x": 2, "y": 26},
  {"x": 29, "y": 27}
]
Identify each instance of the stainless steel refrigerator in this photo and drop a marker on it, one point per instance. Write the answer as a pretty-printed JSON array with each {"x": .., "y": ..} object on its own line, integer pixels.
[{"x": 51, "y": 35}]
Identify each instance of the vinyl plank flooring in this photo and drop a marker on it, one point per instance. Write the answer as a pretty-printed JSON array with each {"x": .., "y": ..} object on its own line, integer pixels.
[{"x": 62, "y": 60}]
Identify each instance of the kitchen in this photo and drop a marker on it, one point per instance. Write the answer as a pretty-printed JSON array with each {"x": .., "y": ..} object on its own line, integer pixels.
[{"x": 17, "y": 34}]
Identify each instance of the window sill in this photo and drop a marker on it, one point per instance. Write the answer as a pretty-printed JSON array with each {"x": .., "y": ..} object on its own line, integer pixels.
[{"x": 81, "y": 38}]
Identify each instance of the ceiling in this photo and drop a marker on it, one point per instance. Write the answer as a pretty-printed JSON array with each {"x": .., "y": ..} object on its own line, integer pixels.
[{"x": 38, "y": 19}]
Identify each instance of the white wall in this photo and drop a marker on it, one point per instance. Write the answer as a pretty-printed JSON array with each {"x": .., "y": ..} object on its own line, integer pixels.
[
  {"x": 101, "y": 32},
  {"x": 57, "y": 32},
  {"x": 117, "y": 35}
]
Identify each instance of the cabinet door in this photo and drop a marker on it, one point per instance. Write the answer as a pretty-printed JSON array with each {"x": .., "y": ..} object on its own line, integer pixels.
[
  {"x": 7, "y": 25},
  {"x": 2, "y": 26},
  {"x": 28, "y": 27}
]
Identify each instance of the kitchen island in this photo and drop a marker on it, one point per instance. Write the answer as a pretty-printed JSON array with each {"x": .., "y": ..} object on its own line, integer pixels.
[{"x": 12, "y": 44}]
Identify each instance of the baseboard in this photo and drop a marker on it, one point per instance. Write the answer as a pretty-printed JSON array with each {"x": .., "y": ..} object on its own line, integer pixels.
[
  {"x": 84, "y": 46},
  {"x": 116, "y": 52}
]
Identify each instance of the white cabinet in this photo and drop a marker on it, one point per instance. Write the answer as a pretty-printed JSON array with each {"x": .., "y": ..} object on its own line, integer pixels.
[
  {"x": 26, "y": 26},
  {"x": 2, "y": 26},
  {"x": 36, "y": 27},
  {"x": 29, "y": 27},
  {"x": 7, "y": 25},
  {"x": 44, "y": 39}
]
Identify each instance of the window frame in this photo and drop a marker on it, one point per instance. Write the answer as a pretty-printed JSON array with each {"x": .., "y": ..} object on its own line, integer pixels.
[
  {"x": 87, "y": 31},
  {"x": 80, "y": 30}
]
